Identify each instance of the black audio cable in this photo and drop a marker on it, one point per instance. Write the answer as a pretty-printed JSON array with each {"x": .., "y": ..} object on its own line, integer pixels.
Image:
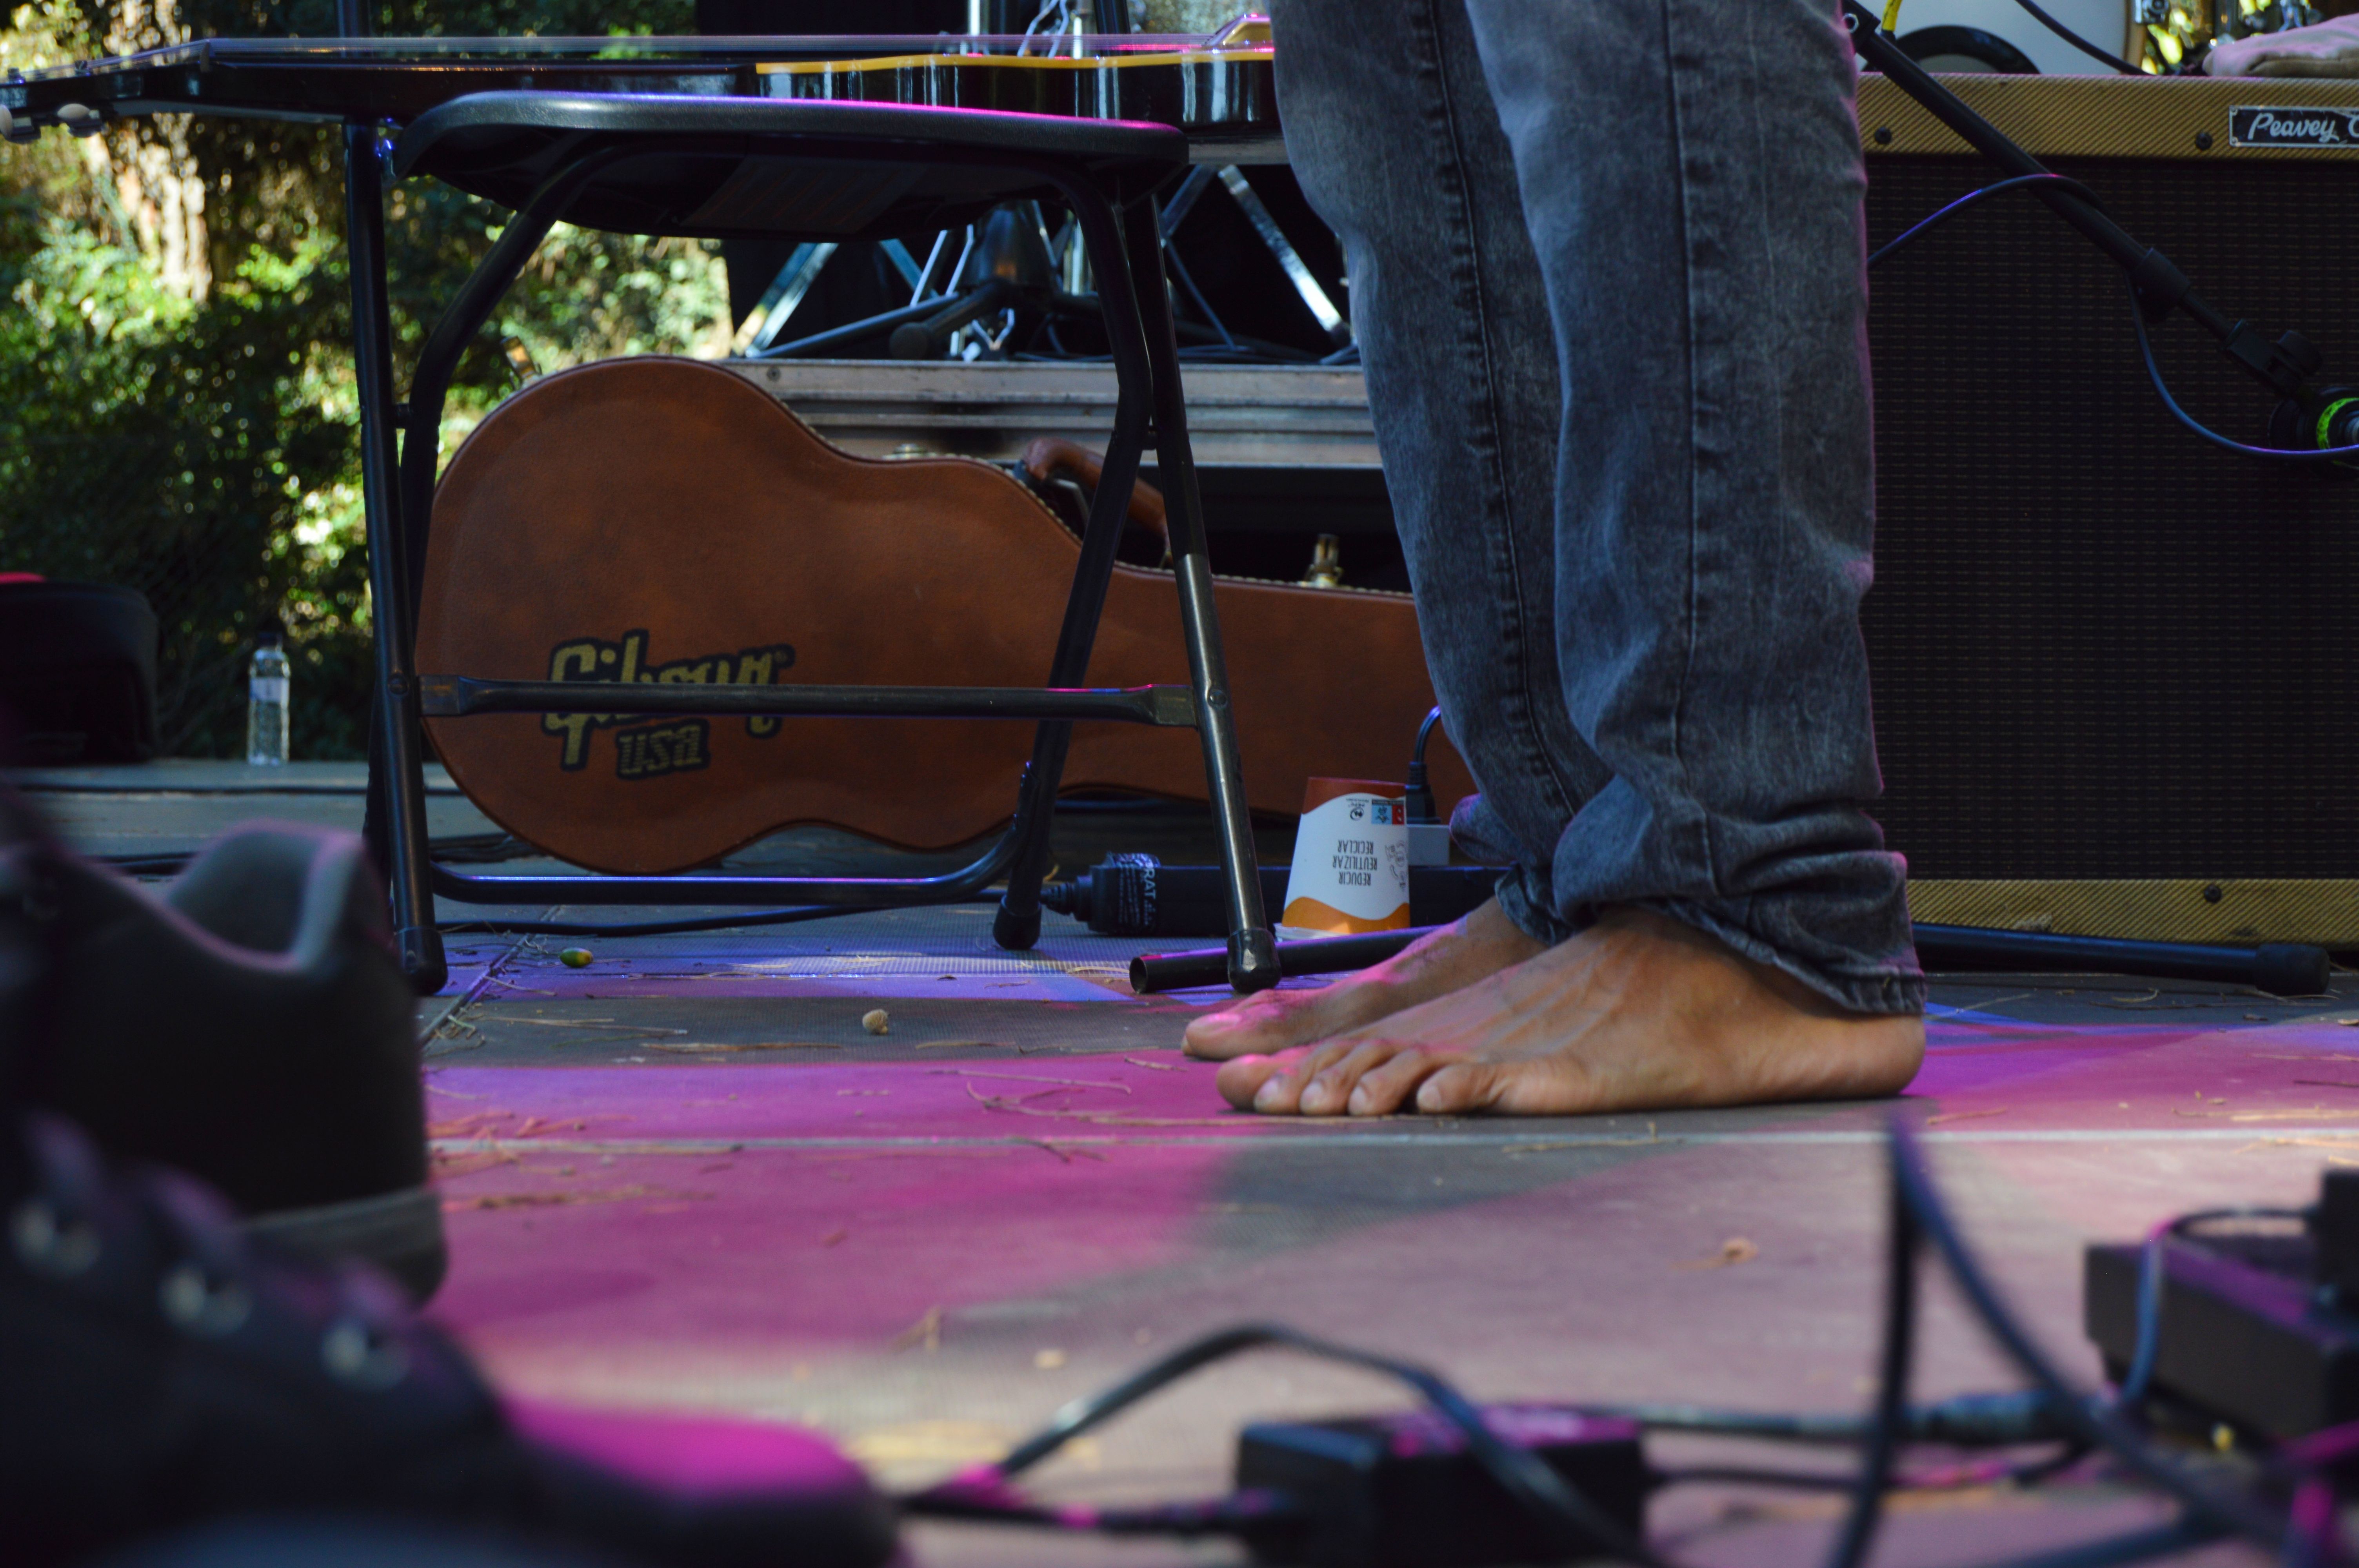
[
  {"x": 491, "y": 925},
  {"x": 2285, "y": 365},
  {"x": 2338, "y": 415},
  {"x": 2148, "y": 1343},
  {"x": 1559, "y": 1508},
  {"x": 1970, "y": 199},
  {"x": 461, "y": 849},
  {"x": 2051, "y": 1410},
  {"x": 2103, "y": 57},
  {"x": 2095, "y": 1421}
]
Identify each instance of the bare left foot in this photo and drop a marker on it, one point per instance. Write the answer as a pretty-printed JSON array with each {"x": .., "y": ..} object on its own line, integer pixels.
[
  {"x": 1433, "y": 965},
  {"x": 1638, "y": 1012}
]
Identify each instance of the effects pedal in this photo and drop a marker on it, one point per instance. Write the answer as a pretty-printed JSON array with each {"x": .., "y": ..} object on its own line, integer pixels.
[
  {"x": 2259, "y": 1327},
  {"x": 1402, "y": 1491}
]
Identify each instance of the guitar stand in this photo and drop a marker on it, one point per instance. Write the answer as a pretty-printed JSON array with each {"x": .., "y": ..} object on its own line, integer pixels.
[{"x": 564, "y": 153}]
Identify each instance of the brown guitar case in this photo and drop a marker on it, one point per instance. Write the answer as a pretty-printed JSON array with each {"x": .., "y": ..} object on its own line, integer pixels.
[{"x": 660, "y": 519}]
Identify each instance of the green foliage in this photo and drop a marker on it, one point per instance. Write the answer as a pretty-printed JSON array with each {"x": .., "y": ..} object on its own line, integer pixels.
[
  {"x": 175, "y": 448},
  {"x": 204, "y": 451}
]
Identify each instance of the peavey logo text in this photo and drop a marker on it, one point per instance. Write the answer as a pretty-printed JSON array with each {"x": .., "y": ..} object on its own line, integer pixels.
[
  {"x": 2301, "y": 128},
  {"x": 662, "y": 749}
]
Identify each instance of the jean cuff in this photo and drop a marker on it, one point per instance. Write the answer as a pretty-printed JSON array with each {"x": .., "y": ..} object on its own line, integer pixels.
[
  {"x": 1893, "y": 986},
  {"x": 1525, "y": 899}
]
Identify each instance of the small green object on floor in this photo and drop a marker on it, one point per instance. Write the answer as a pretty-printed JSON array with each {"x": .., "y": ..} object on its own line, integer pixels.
[{"x": 575, "y": 957}]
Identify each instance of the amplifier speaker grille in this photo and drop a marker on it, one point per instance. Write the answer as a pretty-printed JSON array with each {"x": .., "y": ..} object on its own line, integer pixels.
[{"x": 2102, "y": 649}]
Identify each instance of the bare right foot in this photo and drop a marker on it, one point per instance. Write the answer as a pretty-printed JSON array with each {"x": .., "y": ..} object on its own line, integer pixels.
[
  {"x": 1638, "y": 1012},
  {"x": 1442, "y": 961}
]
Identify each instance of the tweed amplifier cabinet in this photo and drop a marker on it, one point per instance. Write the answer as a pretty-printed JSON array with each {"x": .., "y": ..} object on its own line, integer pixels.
[{"x": 2116, "y": 669}]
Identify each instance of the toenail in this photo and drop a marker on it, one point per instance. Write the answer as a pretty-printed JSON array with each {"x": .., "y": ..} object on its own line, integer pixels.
[{"x": 1267, "y": 1095}]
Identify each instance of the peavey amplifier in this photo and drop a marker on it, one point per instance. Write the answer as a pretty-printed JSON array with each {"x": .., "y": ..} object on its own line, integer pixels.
[{"x": 2116, "y": 669}]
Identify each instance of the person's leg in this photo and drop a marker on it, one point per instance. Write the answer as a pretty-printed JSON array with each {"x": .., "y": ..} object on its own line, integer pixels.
[
  {"x": 1392, "y": 133},
  {"x": 1695, "y": 211},
  {"x": 1696, "y": 207}
]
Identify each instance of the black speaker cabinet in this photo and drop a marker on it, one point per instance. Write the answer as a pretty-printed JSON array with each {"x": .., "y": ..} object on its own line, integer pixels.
[{"x": 2116, "y": 669}]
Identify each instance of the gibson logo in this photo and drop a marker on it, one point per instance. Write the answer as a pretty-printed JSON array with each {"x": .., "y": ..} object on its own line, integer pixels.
[
  {"x": 2303, "y": 127},
  {"x": 667, "y": 748}
]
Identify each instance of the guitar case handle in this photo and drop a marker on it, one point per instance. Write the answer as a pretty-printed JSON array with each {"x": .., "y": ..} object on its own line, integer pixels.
[{"x": 1052, "y": 456}]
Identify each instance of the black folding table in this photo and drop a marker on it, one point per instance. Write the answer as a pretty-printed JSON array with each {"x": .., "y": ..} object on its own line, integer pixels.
[{"x": 725, "y": 168}]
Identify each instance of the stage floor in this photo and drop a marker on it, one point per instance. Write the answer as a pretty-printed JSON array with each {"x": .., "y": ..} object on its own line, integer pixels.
[{"x": 685, "y": 1176}]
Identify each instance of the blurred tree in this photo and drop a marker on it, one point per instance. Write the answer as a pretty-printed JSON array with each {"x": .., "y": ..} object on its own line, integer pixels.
[{"x": 184, "y": 421}]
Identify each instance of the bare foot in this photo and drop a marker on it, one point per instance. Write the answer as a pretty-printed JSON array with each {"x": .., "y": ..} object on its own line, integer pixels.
[
  {"x": 1638, "y": 1012},
  {"x": 1442, "y": 961}
]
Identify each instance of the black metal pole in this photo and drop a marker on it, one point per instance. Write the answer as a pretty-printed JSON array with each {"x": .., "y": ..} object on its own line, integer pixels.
[
  {"x": 1152, "y": 972},
  {"x": 2282, "y": 366},
  {"x": 924, "y": 338},
  {"x": 429, "y": 382},
  {"x": 733, "y": 892},
  {"x": 395, "y": 814},
  {"x": 853, "y": 331},
  {"x": 1253, "y": 950},
  {"x": 1016, "y": 926},
  {"x": 2280, "y": 969},
  {"x": 459, "y": 697},
  {"x": 1882, "y": 53},
  {"x": 399, "y": 787}
]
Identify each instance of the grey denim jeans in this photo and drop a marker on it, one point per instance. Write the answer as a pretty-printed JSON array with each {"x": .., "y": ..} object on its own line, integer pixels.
[{"x": 1606, "y": 275}]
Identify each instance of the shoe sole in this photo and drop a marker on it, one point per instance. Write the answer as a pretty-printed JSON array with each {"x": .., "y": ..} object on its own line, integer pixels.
[{"x": 401, "y": 1232}]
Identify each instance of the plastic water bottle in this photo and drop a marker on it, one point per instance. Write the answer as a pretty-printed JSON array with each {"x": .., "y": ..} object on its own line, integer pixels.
[{"x": 265, "y": 704}]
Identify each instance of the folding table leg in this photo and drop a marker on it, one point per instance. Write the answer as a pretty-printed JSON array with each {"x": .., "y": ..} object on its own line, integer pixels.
[
  {"x": 1017, "y": 923},
  {"x": 398, "y": 783},
  {"x": 430, "y": 385},
  {"x": 1253, "y": 953}
]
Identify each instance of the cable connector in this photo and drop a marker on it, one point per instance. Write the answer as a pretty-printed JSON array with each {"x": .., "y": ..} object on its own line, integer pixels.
[
  {"x": 1991, "y": 1420},
  {"x": 1417, "y": 795},
  {"x": 2284, "y": 365},
  {"x": 1428, "y": 835}
]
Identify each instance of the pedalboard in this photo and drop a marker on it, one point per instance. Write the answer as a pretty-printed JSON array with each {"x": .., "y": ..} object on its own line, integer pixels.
[{"x": 2259, "y": 1327}]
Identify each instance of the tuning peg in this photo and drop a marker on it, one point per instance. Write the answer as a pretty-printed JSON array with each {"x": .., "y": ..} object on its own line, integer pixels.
[{"x": 80, "y": 119}]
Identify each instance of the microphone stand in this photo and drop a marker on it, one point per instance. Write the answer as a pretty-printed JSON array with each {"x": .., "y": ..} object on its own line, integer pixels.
[{"x": 2284, "y": 367}]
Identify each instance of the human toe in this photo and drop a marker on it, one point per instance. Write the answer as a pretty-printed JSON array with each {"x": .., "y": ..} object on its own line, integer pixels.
[
  {"x": 1241, "y": 1079},
  {"x": 1386, "y": 1087},
  {"x": 1459, "y": 1087},
  {"x": 1273, "y": 1083},
  {"x": 1334, "y": 1087},
  {"x": 1244, "y": 1081},
  {"x": 1219, "y": 1036},
  {"x": 1254, "y": 1026}
]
